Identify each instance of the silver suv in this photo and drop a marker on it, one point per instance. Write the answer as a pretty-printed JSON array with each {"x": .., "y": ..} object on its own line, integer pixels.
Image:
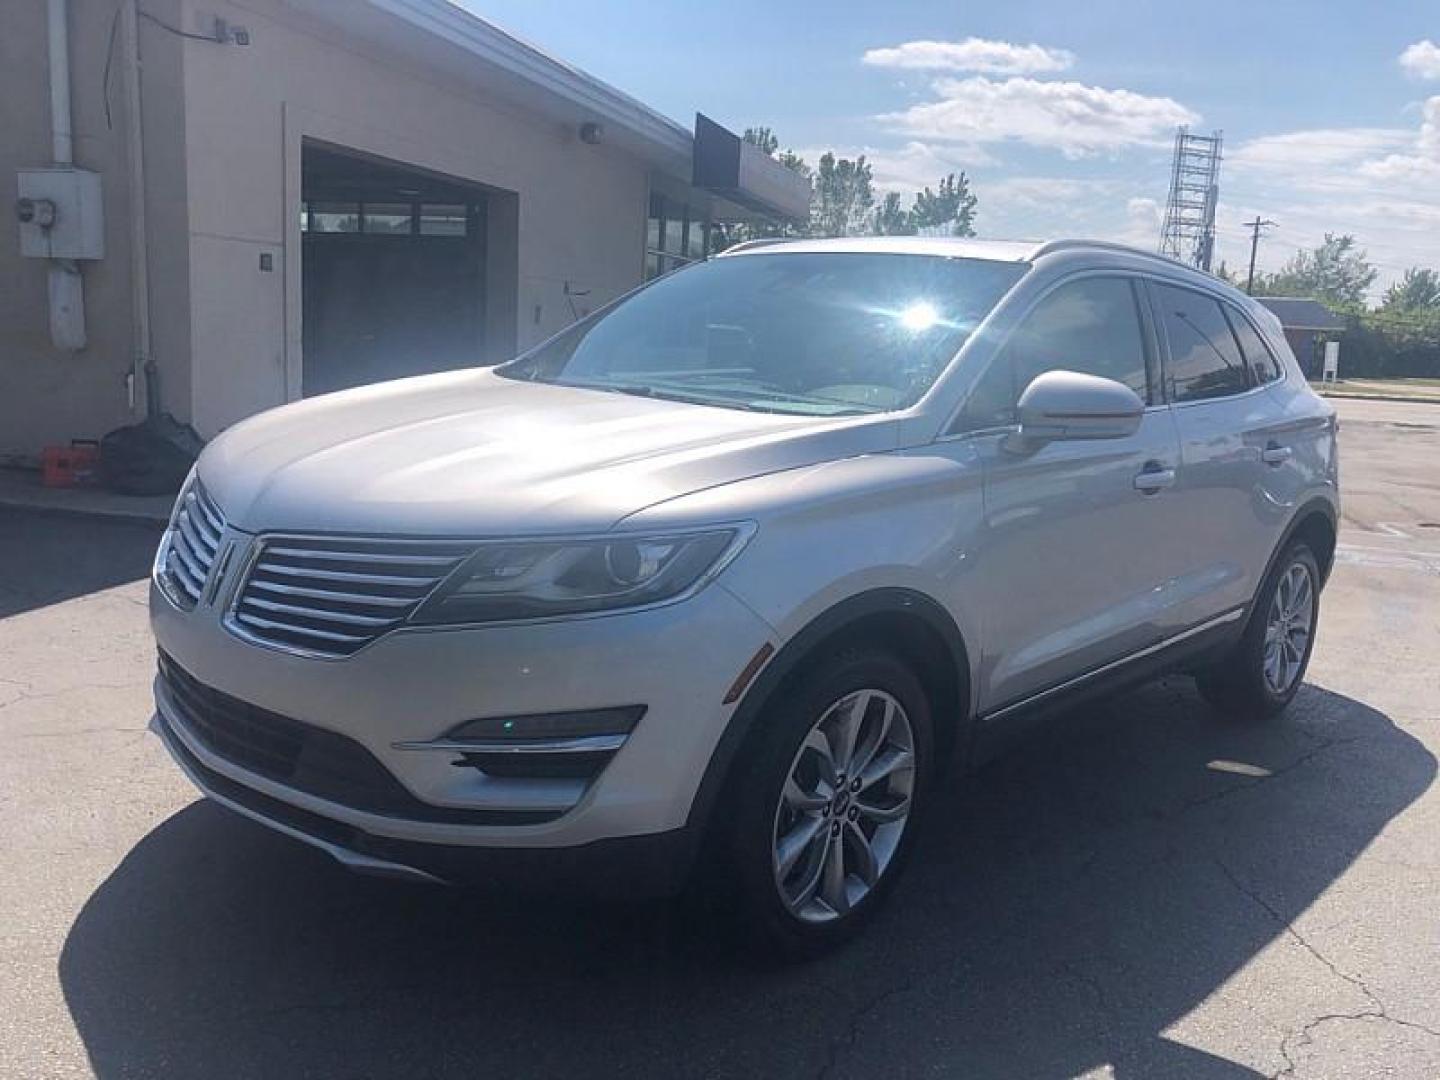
[{"x": 719, "y": 579}]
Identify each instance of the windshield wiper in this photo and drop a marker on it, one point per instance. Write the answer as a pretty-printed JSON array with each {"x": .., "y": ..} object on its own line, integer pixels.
[
  {"x": 743, "y": 398},
  {"x": 756, "y": 395},
  {"x": 633, "y": 389}
]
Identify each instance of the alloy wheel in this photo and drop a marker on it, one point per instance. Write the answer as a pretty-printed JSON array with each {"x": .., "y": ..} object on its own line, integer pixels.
[
  {"x": 845, "y": 805},
  {"x": 1288, "y": 627}
]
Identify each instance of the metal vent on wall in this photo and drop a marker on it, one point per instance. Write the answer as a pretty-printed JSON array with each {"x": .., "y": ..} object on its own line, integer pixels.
[
  {"x": 191, "y": 546},
  {"x": 333, "y": 596}
]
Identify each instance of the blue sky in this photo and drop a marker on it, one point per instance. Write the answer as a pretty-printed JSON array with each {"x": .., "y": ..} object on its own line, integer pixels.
[{"x": 1062, "y": 113}]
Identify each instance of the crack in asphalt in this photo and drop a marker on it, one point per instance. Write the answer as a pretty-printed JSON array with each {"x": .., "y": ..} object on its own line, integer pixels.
[
  {"x": 28, "y": 694},
  {"x": 839, "y": 1046},
  {"x": 1303, "y": 1035},
  {"x": 1378, "y": 1010}
]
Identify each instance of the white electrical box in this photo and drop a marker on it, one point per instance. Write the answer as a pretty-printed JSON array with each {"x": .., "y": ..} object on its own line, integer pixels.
[
  {"x": 1332, "y": 362},
  {"x": 60, "y": 213}
]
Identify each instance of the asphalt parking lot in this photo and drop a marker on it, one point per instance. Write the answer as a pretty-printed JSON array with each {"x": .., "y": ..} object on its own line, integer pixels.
[{"x": 1142, "y": 889}]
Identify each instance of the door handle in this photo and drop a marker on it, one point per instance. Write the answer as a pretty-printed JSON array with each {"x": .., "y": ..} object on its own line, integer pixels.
[
  {"x": 1275, "y": 454},
  {"x": 1154, "y": 478}
]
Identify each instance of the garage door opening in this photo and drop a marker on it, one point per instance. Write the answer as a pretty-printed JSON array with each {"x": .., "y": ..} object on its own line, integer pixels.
[{"x": 399, "y": 276}]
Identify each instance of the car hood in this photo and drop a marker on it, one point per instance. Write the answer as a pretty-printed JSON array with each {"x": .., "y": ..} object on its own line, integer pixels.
[{"x": 473, "y": 453}]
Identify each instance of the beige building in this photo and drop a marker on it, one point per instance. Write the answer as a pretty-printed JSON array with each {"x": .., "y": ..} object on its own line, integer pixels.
[{"x": 292, "y": 196}]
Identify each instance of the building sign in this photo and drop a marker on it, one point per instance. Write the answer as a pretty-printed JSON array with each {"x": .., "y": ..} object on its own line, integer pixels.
[{"x": 743, "y": 174}]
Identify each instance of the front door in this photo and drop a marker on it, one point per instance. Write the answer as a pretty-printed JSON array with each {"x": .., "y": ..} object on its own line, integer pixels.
[{"x": 1076, "y": 569}]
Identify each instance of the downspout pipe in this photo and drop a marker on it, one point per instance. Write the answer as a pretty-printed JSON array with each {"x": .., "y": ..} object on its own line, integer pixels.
[
  {"x": 66, "y": 286},
  {"x": 143, "y": 370},
  {"x": 61, "y": 140}
]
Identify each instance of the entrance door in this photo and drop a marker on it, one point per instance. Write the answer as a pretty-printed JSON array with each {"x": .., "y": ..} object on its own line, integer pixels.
[{"x": 392, "y": 272}]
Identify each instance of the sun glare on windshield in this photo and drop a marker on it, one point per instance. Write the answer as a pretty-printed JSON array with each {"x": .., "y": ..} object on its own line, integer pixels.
[
  {"x": 918, "y": 317},
  {"x": 805, "y": 333}
]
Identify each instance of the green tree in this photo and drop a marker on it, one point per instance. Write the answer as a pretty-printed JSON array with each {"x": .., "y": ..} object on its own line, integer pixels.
[
  {"x": 892, "y": 219},
  {"x": 763, "y": 138},
  {"x": 948, "y": 210},
  {"x": 1418, "y": 292},
  {"x": 725, "y": 235},
  {"x": 843, "y": 193},
  {"x": 794, "y": 162},
  {"x": 1336, "y": 272}
]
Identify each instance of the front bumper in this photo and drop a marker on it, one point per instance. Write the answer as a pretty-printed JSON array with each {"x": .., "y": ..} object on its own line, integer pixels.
[
  {"x": 656, "y": 864},
  {"x": 415, "y": 685}
]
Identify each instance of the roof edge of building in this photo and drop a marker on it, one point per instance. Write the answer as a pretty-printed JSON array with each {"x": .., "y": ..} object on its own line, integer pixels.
[{"x": 497, "y": 47}]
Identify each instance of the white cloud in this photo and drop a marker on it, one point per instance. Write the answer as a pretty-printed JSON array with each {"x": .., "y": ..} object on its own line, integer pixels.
[
  {"x": 1143, "y": 216},
  {"x": 1422, "y": 166},
  {"x": 1422, "y": 60},
  {"x": 972, "y": 54},
  {"x": 917, "y": 164},
  {"x": 1145, "y": 210},
  {"x": 1043, "y": 207},
  {"x": 1298, "y": 150},
  {"x": 1077, "y": 119},
  {"x": 1380, "y": 185},
  {"x": 910, "y": 167},
  {"x": 1046, "y": 192}
]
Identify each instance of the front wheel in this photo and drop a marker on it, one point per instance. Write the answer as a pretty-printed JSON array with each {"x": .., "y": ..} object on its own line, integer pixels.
[
  {"x": 1263, "y": 672},
  {"x": 826, "y": 800}
]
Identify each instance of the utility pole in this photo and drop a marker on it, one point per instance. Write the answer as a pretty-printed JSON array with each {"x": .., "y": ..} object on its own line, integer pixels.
[{"x": 1255, "y": 227}]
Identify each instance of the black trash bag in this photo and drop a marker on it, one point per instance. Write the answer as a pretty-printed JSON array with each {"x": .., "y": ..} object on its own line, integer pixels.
[{"x": 151, "y": 458}]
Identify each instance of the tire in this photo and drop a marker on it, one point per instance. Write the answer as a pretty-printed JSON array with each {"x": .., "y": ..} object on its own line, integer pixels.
[
  {"x": 1248, "y": 683},
  {"x": 796, "y": 734}
]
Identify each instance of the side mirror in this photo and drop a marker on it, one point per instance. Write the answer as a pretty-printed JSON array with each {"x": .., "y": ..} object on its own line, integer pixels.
[{"x": 1063, "y": 405}]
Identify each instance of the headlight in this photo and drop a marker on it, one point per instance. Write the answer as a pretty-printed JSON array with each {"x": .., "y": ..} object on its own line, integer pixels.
[
  {"x": 180, "y": 495},
  {"x": 536, "y": 579},
  {"x": 157, "y": 566}
]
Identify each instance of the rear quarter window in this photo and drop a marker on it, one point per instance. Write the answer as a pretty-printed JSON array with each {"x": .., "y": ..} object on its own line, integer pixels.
[
  {"x": 1205, "y": 357},
  {"x": 1263, "y": 364}
]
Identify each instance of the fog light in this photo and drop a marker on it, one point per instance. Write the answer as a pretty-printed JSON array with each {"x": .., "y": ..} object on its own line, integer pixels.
[{"x": 540, "y": 727}]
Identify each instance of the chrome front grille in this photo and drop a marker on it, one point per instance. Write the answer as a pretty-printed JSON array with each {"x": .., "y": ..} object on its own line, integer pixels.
[
  {"x": 191, "y": 546},
  {"x": 333, "y": 596}
]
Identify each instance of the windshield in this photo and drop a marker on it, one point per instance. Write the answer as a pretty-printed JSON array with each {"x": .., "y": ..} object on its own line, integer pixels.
[{"x": 823, "y": 334}]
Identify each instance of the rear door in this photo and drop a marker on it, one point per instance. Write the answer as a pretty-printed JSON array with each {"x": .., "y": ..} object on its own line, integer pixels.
[
  {"x": 1074, "y": 568},
  {"x": 1300, "y": 448},
  {"x": 1230, "y": 435}
]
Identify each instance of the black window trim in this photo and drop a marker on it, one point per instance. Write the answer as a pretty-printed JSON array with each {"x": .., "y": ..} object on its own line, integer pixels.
[
  {"x": 1149, "y": 341},
  {"x": 668, "y": 261},
  {"x": 1151, "y": 280},
  {"x": 1232, "y": 312}
]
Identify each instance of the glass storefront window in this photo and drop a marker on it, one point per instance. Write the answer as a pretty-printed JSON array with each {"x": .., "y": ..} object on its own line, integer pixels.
[
  {"x": 442, "y": 220},
  {"x": 675, "y": 234},
  {"x": 386, "y": 219},
  {"x": 695, "y": 239},
  {"x": 334, "y": 217},
  {"x": 652, "y": 225}
]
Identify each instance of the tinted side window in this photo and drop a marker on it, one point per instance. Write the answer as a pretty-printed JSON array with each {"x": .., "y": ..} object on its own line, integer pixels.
[
  {"x": 1263, "y": 365},
  {"x": 1091, "y": 325},
  {"x": 1205, "y": 360}
]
